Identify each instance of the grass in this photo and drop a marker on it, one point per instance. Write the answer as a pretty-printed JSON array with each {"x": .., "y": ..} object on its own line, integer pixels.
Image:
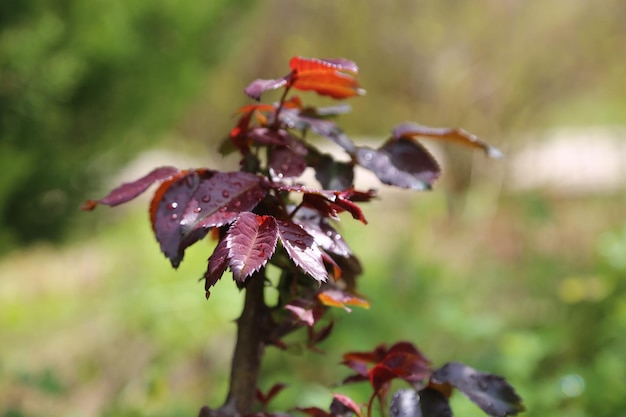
[{"x": 530, "y": 289}]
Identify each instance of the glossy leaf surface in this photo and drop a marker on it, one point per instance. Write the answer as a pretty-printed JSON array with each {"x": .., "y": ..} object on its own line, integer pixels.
[
  {"x": 302, "y": 249},
  {"x": 403, "y": 163},
  {"x": 251, "y": 242}
]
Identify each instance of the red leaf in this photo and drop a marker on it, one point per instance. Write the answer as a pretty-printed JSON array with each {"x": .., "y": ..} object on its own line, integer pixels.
[
  {"x": 251, "y": 242},
  {"x": 412, "y": 130},
  {"x": 490, "y": 392},
  {"x": 400, "y": 162},
  {"x": 334, "y": 84},
  {"x": 298, "y": 63},
  {"x": 301, "y": 248},
  {"x": 339, "y": 298},
  {"x": 130, "y": 190},
  {"x": 218, "y": 262},
  {"x": 284, "y": 163}
]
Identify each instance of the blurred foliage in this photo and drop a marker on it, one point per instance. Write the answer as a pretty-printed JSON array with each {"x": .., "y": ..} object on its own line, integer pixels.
[
  {"x": 513, "y": 292},
  {"x": 84, "y": 85}
]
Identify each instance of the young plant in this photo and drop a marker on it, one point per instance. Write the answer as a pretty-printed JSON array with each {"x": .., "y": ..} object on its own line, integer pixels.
[{"x": 262, "y": 214}]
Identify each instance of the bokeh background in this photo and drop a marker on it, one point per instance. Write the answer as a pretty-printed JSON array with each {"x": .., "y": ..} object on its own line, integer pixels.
[{"x": 516, "y": 267}]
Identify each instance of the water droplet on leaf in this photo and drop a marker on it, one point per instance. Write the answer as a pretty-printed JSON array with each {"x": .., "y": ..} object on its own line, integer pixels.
[
  {"x": 225, "y": 194},
  {"x": 206, "y": 198}
]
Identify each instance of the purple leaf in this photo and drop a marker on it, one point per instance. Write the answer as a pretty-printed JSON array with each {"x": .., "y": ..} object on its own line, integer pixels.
[
  {"x": 167, "y": 211},
  {"x": 334, "y": 175},
  {"x": 490, "y": 392},
  {"x": 251, "y": 242},
  {"x": 219, "y": 200},
  {"x": 302, "y": 249},
  {"x": 324, "y": 234},
  {"x": 184, "y": 208},
  {"x": 327, "y": 128},
  {"x": 266, "y": 136},
  {"x": 218, "y": 262},
  {"x": 401, "y": 162},
  {"x": 258, "y": 87},
  {"x": 284, "y": 163},
  {"x": 411, "y": 130},
  {"x": 130, "y": 190},
  {"x": 425, "y": 403}
]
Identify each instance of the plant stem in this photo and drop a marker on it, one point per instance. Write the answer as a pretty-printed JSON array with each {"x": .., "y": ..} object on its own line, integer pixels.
[{"x": 252, "y": 327}]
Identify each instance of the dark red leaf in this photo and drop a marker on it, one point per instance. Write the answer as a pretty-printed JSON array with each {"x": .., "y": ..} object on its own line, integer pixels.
[
  {"x": 342, "y": 404},
  {"x": 334, "y": 175},
  {"x": 400, "y": 162},
  {"x": 264, "y": 399},
  {"x": 130, "y": 190},
  {"x": 490, "y": 392},
  {"x": 185, "y": 207},
  {"x": 218, "y": 262},
  {"x": 412, "y": 130},
  {"x": 373, "y": 356},
  {"x": 251, "y": 242},
  {"x": 319, "y": 336},
  {"x": 284, "y": 163},
  {"x": 298, "y": 63},
  {"x": 301, "y": 248},
  {"x": 219, "y": 199},
  {"x": 258, "y": 87},
  {"x": 167, "y": 211}
]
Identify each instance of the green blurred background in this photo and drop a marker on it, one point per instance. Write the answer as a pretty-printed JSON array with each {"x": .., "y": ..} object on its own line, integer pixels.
[{"x": 507, "y": 272}]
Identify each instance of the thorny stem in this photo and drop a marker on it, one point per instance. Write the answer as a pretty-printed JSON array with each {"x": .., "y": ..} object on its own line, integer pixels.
[{"x": 252, "y": 328}]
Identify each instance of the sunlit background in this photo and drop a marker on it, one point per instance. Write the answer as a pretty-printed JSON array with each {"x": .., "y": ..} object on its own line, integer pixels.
[{"x": 515, "y": 267}]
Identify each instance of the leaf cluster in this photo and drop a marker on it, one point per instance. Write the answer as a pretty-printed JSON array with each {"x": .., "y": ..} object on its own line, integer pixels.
[{"x": 263, "y": 214}]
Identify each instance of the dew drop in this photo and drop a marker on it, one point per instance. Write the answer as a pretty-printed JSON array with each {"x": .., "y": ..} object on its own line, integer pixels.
[
  {"x": 237, "y": 204},
  {"x": 197, "y": 209},
  {"x": 206, "y": 198},
  {"x": 172, "y": 206},
  {"x": 300, "y": 242},
  {"x": 225, "y": 194},
  {"x": 223, "y": 209},
  {"x": 174, "y": 216}
]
